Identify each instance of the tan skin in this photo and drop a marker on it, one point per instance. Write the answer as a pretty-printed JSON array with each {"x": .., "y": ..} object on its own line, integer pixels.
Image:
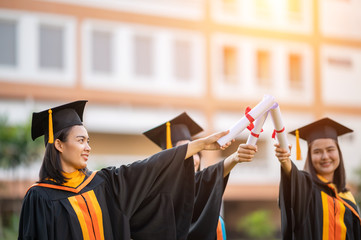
[
  {"x": 244, "y": 153},
  {"x": 75, "y": 151},
  {"x": 325, "y": 157}
]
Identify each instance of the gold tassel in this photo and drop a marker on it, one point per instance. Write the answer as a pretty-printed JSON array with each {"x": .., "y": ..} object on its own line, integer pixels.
[
  {"x": 169, "y": 139},
  {"x": 298, "y": 148},
  {"x": 51, "y": 134}
]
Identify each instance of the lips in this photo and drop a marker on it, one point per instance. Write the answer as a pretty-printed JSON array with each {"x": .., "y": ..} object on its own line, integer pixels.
[
  {"x": 326, "y": 164},
  {"x": 85, "y": 156}
]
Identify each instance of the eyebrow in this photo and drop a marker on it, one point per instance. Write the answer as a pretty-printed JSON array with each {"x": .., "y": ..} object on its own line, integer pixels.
[
  {"x": 325, "y": 148},
  {"x": 80, "y": 136}
]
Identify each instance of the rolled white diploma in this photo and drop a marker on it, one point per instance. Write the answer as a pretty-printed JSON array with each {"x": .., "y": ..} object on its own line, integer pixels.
[
  {"x": 258, "y": 124},
  {"x": 239, "y": 126},
  {"x": 279, "y": 126}
]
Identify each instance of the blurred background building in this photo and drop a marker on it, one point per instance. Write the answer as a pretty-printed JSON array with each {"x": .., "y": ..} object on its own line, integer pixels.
[{"x": 140, "y": 63}]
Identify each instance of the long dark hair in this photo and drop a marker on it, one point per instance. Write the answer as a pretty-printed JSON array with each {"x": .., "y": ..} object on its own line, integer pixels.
[
  {"x": 339, "y": 176},
  {"x": 51, "y": 167}
]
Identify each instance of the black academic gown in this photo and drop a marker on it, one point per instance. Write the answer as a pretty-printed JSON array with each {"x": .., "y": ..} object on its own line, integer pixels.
[
  {"x": 310, "y": 210},
  {"x": 210, "y": 186},
  {"x": 103, "y": 206}
]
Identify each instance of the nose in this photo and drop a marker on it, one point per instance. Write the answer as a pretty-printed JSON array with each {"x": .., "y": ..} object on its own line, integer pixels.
[
  {"x": 87, "y": 147},
  {"x": 324, "y": 155}
]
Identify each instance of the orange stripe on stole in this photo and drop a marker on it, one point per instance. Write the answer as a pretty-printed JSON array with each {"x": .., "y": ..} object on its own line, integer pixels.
[
  {"x": 87, "y": 217},
  {"x": 333, "y": 218},
  {"x": 74, "y": 203},
  {"x": 219, "y": 231},
  {"x": 326, "y": 223},
  {"x": 340, "y": 232},
  {"x": 96, "y": 214}
]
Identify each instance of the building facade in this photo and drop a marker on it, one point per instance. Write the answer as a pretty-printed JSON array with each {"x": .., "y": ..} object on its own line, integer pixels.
[{"x": 140, "y": 63}]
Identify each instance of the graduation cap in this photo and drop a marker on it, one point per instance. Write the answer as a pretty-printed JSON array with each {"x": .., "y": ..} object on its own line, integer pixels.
[
  {"x": 323, "y": 128},
  {"x": 169, "y": 133},
  {"x": 55, "y": 119}
]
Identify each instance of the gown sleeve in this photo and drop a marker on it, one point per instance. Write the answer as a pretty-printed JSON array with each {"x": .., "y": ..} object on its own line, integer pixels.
[
  {"x": 36, "y": 219},
  {"x": 210, "y": 186},
  {"x": 295, "y": 195},
  {"x": 156, "y": 194}
]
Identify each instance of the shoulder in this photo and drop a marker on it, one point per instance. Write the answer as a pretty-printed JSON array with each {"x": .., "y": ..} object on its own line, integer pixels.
[
  {"x": 348, "y": 196},
  {"x": 36, "y": 192}
]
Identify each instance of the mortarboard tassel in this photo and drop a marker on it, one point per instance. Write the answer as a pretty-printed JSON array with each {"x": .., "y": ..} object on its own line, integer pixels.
[
  {"x": 51, "y": 134},
  {"x": 168, "y": 135},
  {"x": 298, "y": 148}
]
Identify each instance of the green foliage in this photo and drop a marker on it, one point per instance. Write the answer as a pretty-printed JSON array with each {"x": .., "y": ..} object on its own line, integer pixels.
[
  {"x": 358, "y": 185},
  {"x": 11, "y": 229},
  {"x": 257, "y": 225},
  {"x": 16, "y": 145}
]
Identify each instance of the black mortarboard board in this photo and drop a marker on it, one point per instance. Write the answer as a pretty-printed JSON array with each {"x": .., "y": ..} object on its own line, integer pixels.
[
  {"x": 323, "y": 128},
  {"x": 181, "y": 127},
  {"x": 55, "y": 119}
]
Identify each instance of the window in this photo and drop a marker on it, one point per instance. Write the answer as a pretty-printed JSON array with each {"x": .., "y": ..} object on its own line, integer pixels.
[
  {"x": 263, "y": 68},
  {"x": 8, "y": 40},
  {"x": 295, "y": 70},
  {"x": 230, "y": 64},
  {"x": 182, "y": 60},
  {"x": 340, "y": 62},
  {"x": 51, "y": 47},
  {"x": 143, "y": 55},
  {"x": 102, "y": 51}
]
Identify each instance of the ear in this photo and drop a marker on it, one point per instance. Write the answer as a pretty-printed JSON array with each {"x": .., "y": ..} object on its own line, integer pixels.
[{"x": 58, "y": 145}]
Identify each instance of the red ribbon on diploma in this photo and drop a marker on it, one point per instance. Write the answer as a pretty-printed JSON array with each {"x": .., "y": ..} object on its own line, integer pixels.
[
  {"x": 255, "y": 135},
  {"x": 251, "y": 125},
  {"x": 275, "y": 131},
  {"x": 250, "y": 119}
]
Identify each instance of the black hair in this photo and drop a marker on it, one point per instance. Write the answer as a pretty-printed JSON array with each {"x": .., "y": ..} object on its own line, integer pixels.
[
  {"x": 51, "y": 167},
  {"x": 339, "y": 176}
]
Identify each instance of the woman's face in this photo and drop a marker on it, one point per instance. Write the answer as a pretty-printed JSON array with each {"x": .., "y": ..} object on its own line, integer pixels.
[
  {"x": 74, "y": 152},
  {"x": 325, "y": 157}
]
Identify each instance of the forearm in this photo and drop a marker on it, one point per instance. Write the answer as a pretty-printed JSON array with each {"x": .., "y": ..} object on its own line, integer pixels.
[
  {"x": 244, "y": 153},
  {"x": 286, "y": 166},
  {"x": 283, "y": 156},
  {"x": 194, "y": 147},
  {"x": 228, "y": 164}
]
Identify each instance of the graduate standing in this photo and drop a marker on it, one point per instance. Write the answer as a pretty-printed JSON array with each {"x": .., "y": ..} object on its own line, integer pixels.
[
  {"x": 315, "y": 203},
  {"x": 71, "y": 202},
  {"x": 210, "y": 182}
]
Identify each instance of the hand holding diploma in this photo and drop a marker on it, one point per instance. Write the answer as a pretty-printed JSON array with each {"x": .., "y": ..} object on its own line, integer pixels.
[
  {"x": 279, "y": 126},
  {"x": 258, "y": 124},
  {"x": 256, "y": 112}
]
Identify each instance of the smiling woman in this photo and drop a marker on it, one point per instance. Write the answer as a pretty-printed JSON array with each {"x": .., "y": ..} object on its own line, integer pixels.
[
  {"x": 315, "y": 204},
  {"x": 75, "y": 150},
  {"x": 71, "y": 202},
  {"x": 325, "y": 157}
]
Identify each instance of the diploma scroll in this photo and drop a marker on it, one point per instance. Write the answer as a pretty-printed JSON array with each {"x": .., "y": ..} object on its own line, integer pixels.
[
  {"x": 255, "y": 132},
  {"x": 239, "y": 126},
  {"x": 279, "y": 127}
]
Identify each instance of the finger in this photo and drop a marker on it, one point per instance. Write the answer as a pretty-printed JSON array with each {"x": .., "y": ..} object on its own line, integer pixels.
[
  {"x": 223, "y": 133},
  {"x": 250, "y": 147},
  {"x": 246, "y": 156},
  {"x": 246, "y": 151}
]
